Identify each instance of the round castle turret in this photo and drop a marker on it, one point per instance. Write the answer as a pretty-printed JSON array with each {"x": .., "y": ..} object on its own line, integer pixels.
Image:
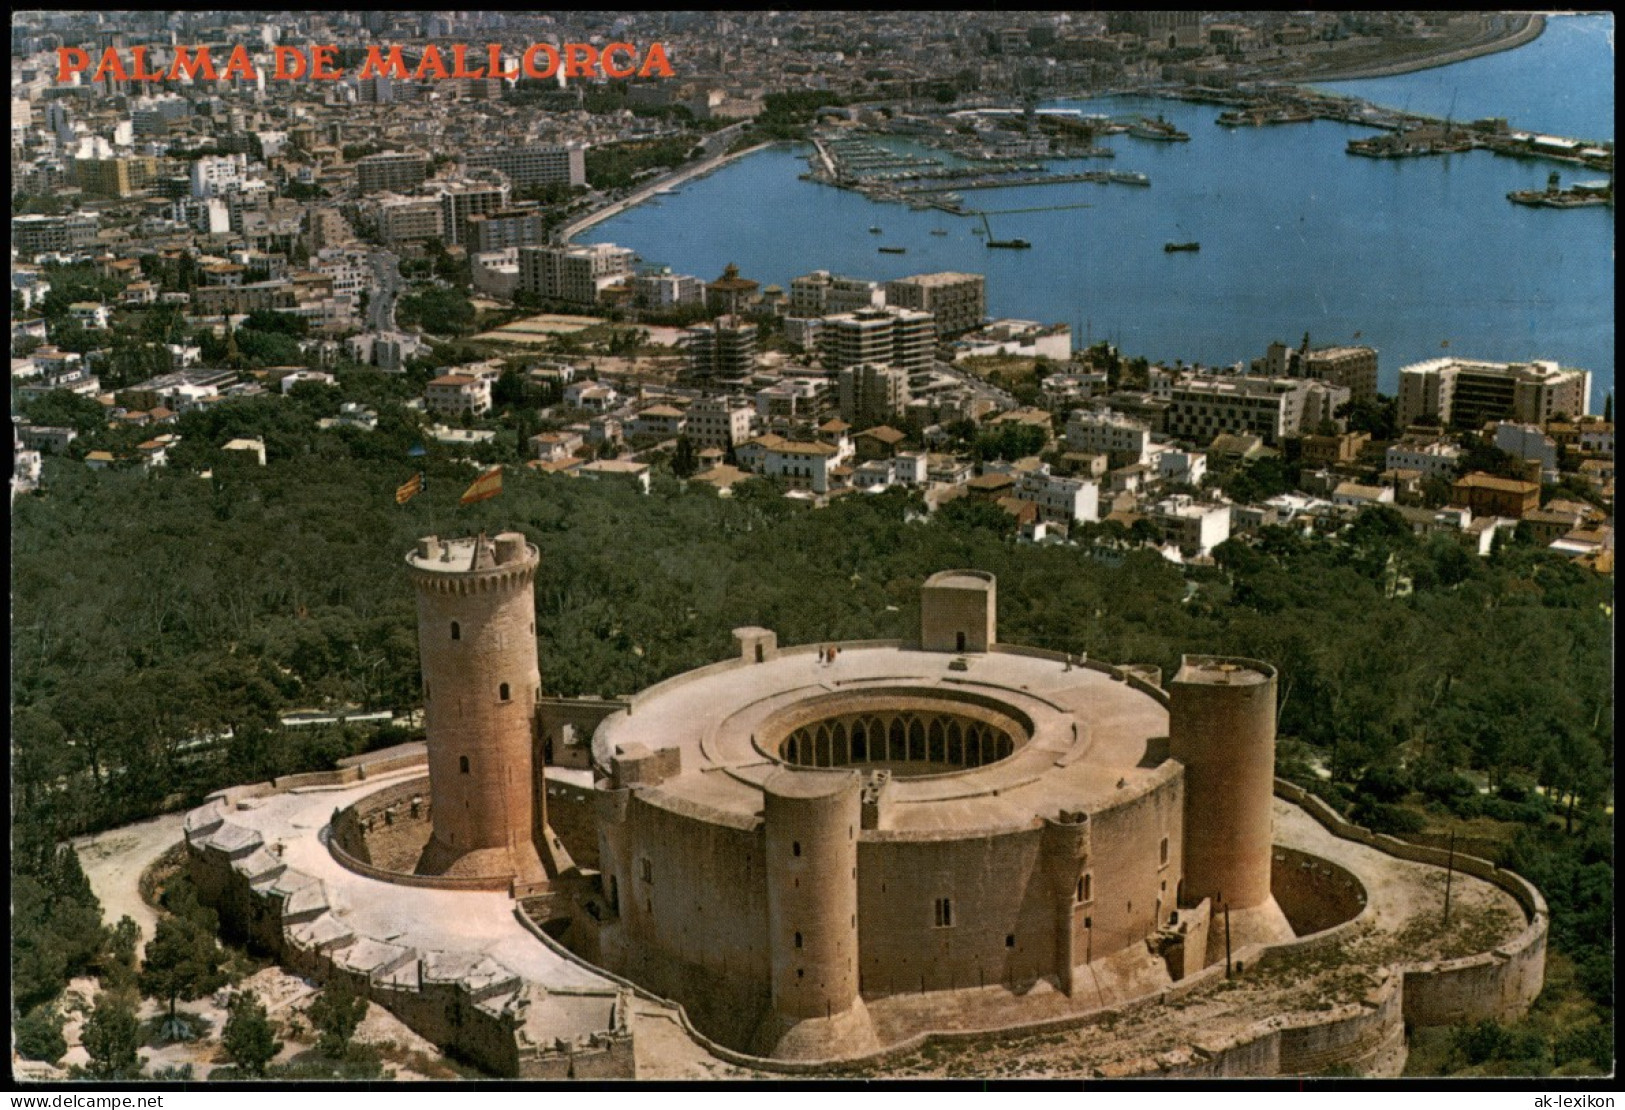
[
  {"x": 811, "y": 823},
  {"x": 477, "y": 640},
  {"x": 1221, "y": 726}
]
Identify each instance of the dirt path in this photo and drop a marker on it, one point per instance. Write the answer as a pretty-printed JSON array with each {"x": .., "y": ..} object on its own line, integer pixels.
[{"x": 114, "y": 860}]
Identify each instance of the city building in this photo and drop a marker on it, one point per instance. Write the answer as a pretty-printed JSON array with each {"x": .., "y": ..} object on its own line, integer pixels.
[
  {"x": 1526, "y": 441},
  {"x": 451, "y": 394},
  {"x": 720, "y": 422},
  {"x": 464, "y": 200},
  {"x": 1200, "y": 408},
  {"x": 36, "y": 234},
  {"x": 1487, "y": 495},
  {"x": 821, "y": 293},
  {"x": 1059, "y": 500},
  {"x": 575, "y": 274},
  {"x": 1018, "y": 339},
  {"x": 871, "y": 394},
  {"x": 801, "y": 465},
  {"x": 1342, "y": 449},
  {"x": 410, "y": 219},
  {"x": 1352, "y": 367},
  {"x": 1195, "y": 527},
  {"x": 1123, "y": 440},
  {"x": 730, "y": 294},
  {"x": 724, "y": 349},
  {"x": 1431, "y": 458},
  {"x": 536, "y": 164},
  {"x": 665, "y": 290},
  {"x": 899, "y": 338},
  {"x": 505, "y": 229},
  {"x": 1458, "y": 393},
  {"x": 391, "y": 172},
  {"x": 218, "y": 175},
  {"x": 957, "y": 301}
]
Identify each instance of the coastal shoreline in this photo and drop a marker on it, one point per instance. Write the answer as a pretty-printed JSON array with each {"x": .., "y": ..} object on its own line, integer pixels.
[
  {"x": 570, "y": 230},
  {"x": 1532, "y": 29}
]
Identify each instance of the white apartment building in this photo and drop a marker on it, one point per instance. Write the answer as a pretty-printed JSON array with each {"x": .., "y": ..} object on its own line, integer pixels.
[
  {"x": 667, "y": 290},
  {"x": 1432, "y": 460},
  {"x": 906, "y": 468},
  {"x": 1195, "y": 527},
  {"x": 496, "y": 273},
  {"x": 217, "y": 175},
  {"x": 348, "y": 270},
  {"x": 1062, "y": 500},
  {"x": 1175, "y": 465},
  {"x": 591, "y": 395}
]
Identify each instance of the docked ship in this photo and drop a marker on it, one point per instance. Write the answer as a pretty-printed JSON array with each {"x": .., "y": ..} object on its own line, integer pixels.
[
  {"x": 1158, "y": 130},
  {"x": 1583, "y": 194}
]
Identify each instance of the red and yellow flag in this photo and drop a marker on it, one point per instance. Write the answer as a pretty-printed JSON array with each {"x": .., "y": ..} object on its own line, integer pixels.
[
  {"x": 410, "y": 489},
  {"x": 485, "y": 487}
]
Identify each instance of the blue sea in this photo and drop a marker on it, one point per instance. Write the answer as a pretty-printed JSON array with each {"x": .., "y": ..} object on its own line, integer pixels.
[{"x": 1417, "y": 257}]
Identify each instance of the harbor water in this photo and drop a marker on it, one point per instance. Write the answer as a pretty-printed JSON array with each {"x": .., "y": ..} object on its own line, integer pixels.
[{"x": 1417, "y": 257}]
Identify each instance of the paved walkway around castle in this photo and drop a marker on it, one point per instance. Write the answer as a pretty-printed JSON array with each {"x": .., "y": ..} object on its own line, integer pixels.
[
  {"x": 1407, "y": 899},
  {"x": 458, "y": 922}
]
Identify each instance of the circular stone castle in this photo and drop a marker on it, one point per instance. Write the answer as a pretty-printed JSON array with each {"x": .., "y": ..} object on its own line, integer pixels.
[{"x": 828, "y": 852}]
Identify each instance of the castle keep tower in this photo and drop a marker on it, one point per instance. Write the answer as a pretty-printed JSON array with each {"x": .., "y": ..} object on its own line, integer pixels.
[
  {"x": 959, "y": 611},
  {"x": 1221, "y": 726},
  {"x": 477, "y": 640}
]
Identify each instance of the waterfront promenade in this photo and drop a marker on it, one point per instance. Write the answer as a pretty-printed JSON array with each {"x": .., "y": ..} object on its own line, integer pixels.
[
  {"x": 1531, "y": 29},
  {"x": 687, "y": 173}
]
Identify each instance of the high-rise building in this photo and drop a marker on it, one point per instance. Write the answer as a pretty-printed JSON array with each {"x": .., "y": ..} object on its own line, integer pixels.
[
  {"x": 895, "y": 337},
  {"x": 1465, "y": 394},
  {"x": 1201, "y": 408},
  {"x": 119, "y": 176},
  {"x": 464, "y": 199},
  {"x": 722, "y": 349},
  {"x": 1354, "y": 368},
  {"x": 871, "y": 394},
  {"x": 503, "y": 229},
  {"x": 958, "y": 301}
]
